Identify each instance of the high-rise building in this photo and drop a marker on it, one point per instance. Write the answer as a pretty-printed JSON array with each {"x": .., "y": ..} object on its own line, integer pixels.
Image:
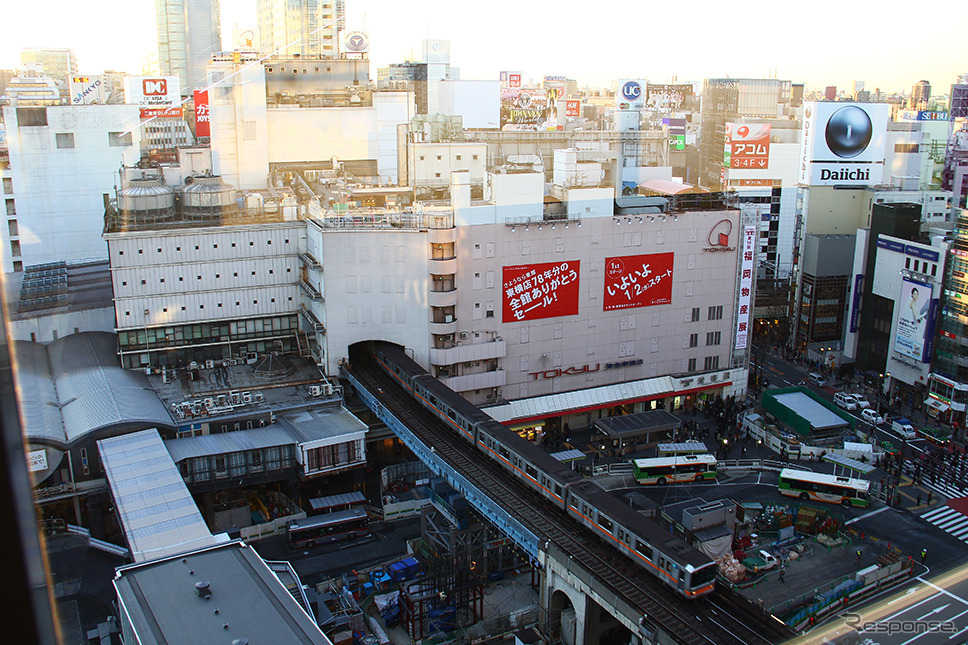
[
  {"x": 189, "y": 32},
  {"x": 59, "y": 64},
  {"x": 920, "y": 94},
  {"x": 729, "y": 99},
  {"x": 289, "y": 28}
]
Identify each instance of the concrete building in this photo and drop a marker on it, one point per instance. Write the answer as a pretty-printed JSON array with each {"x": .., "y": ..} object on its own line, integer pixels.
[
  {"x": 208, "y": 595},
  {"x": 63, "y": 161},
  {"x": 189, "y": 32},
  {"x": 250, "y": 137},
  {"x": 948, "y": 382},
  {"x": 306, "y": 28},
  {"x": 729, "y": 99},
  {"x": 891, "y": 332},
  {"x": 58, "y": 63}
]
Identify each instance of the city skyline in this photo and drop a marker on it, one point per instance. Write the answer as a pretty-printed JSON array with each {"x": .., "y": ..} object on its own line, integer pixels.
[{"x": 751, "y": 41}]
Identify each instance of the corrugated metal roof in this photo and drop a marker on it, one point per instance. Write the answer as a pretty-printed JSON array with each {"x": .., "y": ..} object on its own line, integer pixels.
[
  {"x": 563, "y": 403},
  {"x": 37, "y": 395},
  {"x": 225, "y": 443},
  {"x": 157, "y": 512},
  {"x": 94, "y": 392},
  {"x": 321, "y": 423}
]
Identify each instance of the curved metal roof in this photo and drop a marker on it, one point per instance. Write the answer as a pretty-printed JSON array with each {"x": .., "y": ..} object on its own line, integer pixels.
[
  {"x": 39, "y": 409},
  {"x": 85, "y": 387}
]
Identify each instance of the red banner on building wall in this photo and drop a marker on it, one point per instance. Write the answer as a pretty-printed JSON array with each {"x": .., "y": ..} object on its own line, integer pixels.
[
  {"x": 202, "y": 127},
  {"x": 535, "y": 291},
  {"x": 573, "y": 108},
  {"x": 638, "y": 281}
]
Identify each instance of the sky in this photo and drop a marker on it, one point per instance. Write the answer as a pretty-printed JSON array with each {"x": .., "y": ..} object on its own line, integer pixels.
[{"x": 888, "y": 45}]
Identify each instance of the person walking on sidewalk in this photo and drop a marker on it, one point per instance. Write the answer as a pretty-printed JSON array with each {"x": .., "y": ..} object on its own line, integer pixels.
[
  {"x": 782, "y": 572},
  {"x": 924, "y": 554}
]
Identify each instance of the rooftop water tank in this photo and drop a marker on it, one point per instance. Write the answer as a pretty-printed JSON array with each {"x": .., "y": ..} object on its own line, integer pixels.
[
  {"x": 146, "y": 202},
  {"x": 208, "y": 197}
]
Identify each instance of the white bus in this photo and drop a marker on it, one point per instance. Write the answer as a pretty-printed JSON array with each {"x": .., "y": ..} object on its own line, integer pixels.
[
  {"x": 682, "y": 468},
  {"x": 822, "y": 487}
]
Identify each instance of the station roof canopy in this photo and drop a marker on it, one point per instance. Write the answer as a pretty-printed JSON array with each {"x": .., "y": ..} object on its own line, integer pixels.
[
  {"x": 636, "y": 425},
  {"x": 157, "y": 513}
]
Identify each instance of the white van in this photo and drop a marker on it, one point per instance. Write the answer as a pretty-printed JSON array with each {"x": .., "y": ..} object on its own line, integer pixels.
[{"x": 818, "y": 379}]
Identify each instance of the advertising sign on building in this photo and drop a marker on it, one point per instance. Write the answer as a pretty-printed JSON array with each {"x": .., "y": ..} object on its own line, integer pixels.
[
  {"x": 747, "y": 145},
  {"x": 202, "y": 123},
  {"x": 572, "y": 108},
  {"x": 912, "y": 318},
  {"x": 510, "y": 79},
  {"x": 638, "y": 281},
  {"x": 87, "y": 90},
  {"x": 745, "y": 287},
  {"x": 157, "y": 96},
  {"x": 354, "y": 42},
  {"x": 677, "y": 133},
  {"x": 535, "y": 291},
  {"x": 37, "y": 460},
  {"x": 843, "y": 144},
  {"x": 528, "y": 109},
  {"x": 667, "y": 97},
  {"x": 630, "y": 94}
]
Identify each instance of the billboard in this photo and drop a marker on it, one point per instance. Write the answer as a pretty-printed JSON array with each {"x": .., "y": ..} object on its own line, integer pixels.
[
  {"x": 353, "y": 41},
  {"x": 912, "y": 319},
  {"x": 528, "y": 109},
  {"x": 630, "y": 94},
  {"x": 667, "y": 97},
  {"x": 510, "y": 79},
  {"x": 157, "y": 96},
  {"x": 202, "y": 123},
  {"x": 843, "y": 144},
  {"x": 572, "y": 107},
  {"x": 745, "y": 303},
  {"x": 677, "y": 133},
  {"x": 958, "y": 103},
  {"x": 747, "y": 145},
  {"x": 638, "y": 281},
  {"x": 87, "y": 90},
  {"x": 535, "y": 291}
]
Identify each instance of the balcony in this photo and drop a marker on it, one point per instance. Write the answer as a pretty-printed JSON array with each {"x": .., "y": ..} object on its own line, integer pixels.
[
  {"x": 446, "y": 325},
  {"x": 466, "y": 351},
  {"x": 443, "y": 266},
  {"x": 479, "y": 381},
  {"x": 446, "y": 298}
]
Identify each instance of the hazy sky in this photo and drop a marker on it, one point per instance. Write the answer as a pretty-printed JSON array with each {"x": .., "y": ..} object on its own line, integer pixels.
[{"x": 889, "y": 44}]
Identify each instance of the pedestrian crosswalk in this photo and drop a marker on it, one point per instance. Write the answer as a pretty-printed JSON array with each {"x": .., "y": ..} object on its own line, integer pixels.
[{"x": 949, "y": 520}]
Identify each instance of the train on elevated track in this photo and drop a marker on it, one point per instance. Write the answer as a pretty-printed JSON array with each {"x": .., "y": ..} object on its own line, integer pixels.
[{"x": 680, "y": 566}]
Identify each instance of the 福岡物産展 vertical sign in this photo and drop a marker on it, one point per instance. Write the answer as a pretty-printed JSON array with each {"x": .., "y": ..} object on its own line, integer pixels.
[
  {"x": 745, "y": 287},
  {"x": 638, "y": 281},
  {"x": 546, "y": 290}
]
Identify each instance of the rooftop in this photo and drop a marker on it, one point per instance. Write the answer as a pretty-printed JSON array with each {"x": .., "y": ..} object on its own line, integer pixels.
[{"x": 161, "y": 602}]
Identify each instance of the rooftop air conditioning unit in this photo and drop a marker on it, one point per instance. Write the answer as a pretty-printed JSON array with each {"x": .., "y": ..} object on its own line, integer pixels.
[
  {"x": 209, "y": 364},
  {"x": 327, "y": 389},
  {"x": 463, "y": 335},
  {"x": 315, "y": 390}
]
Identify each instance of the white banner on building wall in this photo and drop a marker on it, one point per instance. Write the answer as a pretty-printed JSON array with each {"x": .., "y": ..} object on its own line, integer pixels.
[{"x": 745, "y": 287}]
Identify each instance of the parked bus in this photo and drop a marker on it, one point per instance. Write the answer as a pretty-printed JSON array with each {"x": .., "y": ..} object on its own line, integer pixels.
[
  {"x": 674, "y": 469},
  {"x": 682, "y": 448},
  {"x": 822, "y": 487},
  {"x": 331, "y": 527}
]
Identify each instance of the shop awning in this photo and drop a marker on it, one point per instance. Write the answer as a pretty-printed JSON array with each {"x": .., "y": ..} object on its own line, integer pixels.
[{"x": 939, "y": 406}]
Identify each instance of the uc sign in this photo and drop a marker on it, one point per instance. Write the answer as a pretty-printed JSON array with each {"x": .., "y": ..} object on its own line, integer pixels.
[{"x": 631, "y": 91}]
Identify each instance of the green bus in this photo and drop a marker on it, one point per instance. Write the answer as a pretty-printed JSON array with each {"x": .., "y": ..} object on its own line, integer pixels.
[
  {"x": 822, "y": 487},
  {"x": 681, "y": 468}
]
